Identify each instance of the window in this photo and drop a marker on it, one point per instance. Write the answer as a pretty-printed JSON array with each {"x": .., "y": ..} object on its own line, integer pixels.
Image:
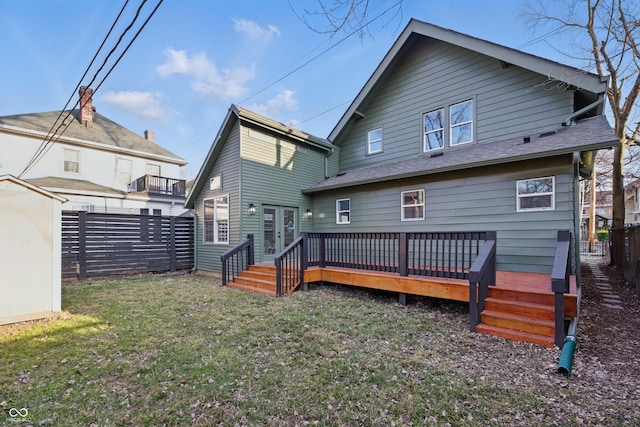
[
  {"x": 343, "y": 211},
  {"x": 374, "y": 141},
  {"x": 215, "y": 183},
  {"x": 144, "y": 211},
  {"x": 536, "y": 194},
  {"x": 153, "y": 170},
  {"x": 433, "y": 130},
  {"x": 461, "y": 118},
  {"x": 216, "y": 220},
  {"x": 71, "y": 161},
  {"x": 124, "y": 171},
  {"x": 412, "y": 205}
]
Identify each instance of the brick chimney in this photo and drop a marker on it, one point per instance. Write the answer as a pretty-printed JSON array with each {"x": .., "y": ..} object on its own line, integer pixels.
[
  {"x": 150, "y": 136},
  {"x": 86, "y": 107}
]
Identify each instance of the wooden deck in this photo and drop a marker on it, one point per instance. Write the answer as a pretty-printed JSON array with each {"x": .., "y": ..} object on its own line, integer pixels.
[{"x": 519, "y": 307}]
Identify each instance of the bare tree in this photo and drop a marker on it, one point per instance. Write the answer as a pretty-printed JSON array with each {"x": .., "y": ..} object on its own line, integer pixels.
[
  {"x": 348, "y": 16},
  {"x": 609, "y": 29}
]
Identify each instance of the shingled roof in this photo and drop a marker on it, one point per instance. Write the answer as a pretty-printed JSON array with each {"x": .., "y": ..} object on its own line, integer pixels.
[
  {"x": 585, "y": 135},
  {"x": 104, "y": 133}
]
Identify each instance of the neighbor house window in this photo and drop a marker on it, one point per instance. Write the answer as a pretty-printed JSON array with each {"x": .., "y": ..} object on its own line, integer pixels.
[
  {"x": 461, "y": 119},
  {"x": 343, "y": 211},
  {"x": 536, "y": 194},
  {"x": 124, "y": 171},
  {"x": 433, "y": 130},
  {"x": 71, "y": 161},
  {"x": 374, "y": 141},
  {"x": 216, "y": 220},
  {"x": 153, "y": 170},
  {"x": 412, "y": 205}
]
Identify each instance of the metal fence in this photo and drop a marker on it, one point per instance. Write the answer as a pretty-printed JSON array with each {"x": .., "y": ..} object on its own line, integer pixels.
[
  {"x": 96, "y": 244},
  {"x": 599, "y": 250}
]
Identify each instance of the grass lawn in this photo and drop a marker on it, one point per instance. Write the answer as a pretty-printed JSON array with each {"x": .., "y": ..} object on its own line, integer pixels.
[{"x": 183, "y": 350}]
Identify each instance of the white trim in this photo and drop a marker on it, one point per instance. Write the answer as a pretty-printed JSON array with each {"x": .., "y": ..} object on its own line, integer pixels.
[
  {"x": 214, "y": 221},
  {"x": 403, "y": 206},
  {"x": 551, "y": 193},
  {"x": 338, "y": 211}
]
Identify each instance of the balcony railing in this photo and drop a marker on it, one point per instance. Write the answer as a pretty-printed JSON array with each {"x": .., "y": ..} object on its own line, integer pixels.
[{"x": 160, "y": 185}]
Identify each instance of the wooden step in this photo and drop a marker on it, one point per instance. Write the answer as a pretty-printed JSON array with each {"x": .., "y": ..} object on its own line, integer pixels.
[
  {"x": 256, "y": 283},
  {"x": 260, "y": 275},
  {"x": 518, "y": 323},
  {"x": 258, "y": 290},
  {"x": 542, "y": 298},
  {"x": 520, "y": 308},
  {"x": 520, "y": 336}
]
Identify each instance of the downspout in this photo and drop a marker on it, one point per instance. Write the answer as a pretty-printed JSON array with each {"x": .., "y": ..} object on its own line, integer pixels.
[
  {"x": 326, "y": 162},
  {"x": 569, "y": 346},
  {"x": 568, "y": 121}
]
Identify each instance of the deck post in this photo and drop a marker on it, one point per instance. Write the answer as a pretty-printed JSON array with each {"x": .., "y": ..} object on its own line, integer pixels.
[
  {"x": 560, "y": 282},
  {"x": 402, "y": 298},
  {"x": 250, "y": 252},
  {"x": 403, "y": 251},
  {"x": 304, "y": 257},
  {"x": 322, "y": 251}
]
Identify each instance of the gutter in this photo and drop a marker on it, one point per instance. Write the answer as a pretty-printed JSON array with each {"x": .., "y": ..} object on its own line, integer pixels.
[{"x": 569, "y": 120}]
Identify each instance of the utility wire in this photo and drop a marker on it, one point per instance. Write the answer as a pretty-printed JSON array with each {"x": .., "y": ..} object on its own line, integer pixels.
[
  {"x": 51, "y": 132},
  {"x": 51, "y": 140}
]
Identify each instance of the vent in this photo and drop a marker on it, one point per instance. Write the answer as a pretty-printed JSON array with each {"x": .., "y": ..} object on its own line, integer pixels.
[
  {"x": 543, "y": 134},
  {"x": 436, "y": 155}
]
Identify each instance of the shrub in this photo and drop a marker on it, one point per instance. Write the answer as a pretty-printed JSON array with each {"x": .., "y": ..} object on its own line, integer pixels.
[{"x": 603, "y": 235}]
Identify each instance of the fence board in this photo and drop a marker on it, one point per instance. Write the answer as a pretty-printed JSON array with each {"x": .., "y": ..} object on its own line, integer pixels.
[{"x": 95, "y": 244}]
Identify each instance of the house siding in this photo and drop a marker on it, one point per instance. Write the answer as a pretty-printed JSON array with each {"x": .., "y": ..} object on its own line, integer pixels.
[
  {"x": 207, "y": 255},
  {"x": 472, "y": 200},
  {"x": 430, "y": 74},
  {"x": 273, "y": 173}
]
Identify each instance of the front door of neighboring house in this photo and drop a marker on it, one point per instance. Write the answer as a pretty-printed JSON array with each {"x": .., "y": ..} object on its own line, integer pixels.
[{"x": 279, "y": 229}]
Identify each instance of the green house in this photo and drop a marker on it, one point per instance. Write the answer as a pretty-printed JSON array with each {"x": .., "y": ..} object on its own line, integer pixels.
[{"x": 450, "y": 134}]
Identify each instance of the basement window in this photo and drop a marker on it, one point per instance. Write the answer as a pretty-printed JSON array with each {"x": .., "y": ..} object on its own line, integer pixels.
[{"x": 536, "y": 194}]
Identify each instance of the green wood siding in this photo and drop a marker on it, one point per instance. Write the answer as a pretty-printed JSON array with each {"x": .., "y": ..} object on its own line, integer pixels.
[
  {"x": 508, "y": 102},
  {"x": 227, "y": 165},
  {"x": 274, "y": 171},
  {"x": 475, "y": 200}
]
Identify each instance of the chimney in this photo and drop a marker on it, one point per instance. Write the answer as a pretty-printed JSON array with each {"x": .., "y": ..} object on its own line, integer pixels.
[
  {"x": 86, "y": 108},
  {"x": 150, "y": 136}
]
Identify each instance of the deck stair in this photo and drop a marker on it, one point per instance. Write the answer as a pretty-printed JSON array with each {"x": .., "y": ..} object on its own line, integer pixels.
[
  {"x": 260, "y": 278},
  {"x": 520, "y": 316}
]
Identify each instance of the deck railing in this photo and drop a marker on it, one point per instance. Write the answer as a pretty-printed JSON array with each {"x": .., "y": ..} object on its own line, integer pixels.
[
  {"x": 560, "y": 282},
  {"x": 290, "y": 266},
  {"x": 440, "y": 254},
  {"x": 237, "y": 259},
  {"x": 482, "y": 274}
]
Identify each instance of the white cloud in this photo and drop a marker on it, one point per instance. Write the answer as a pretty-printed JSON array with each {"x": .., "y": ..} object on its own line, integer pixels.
[
  {"x": 283, "y": 101},
  {"x": 207, "y": 81},
  {"x": 254, "y": 31},
  {"x": 144, "y": 104}
]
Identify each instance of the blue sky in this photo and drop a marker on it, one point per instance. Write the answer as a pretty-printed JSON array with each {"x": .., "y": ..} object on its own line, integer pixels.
[{"x": 196, "y": 57}]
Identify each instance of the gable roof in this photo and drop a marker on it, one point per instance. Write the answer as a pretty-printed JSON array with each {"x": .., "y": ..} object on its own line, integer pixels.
[
  {"x": 415, "y": 28},
  {"x": 104, "y": 134},
  {"x": 586, "y": 135},
  {"x": 234, "y": 114},
  {"x": 68, "y": 185}
]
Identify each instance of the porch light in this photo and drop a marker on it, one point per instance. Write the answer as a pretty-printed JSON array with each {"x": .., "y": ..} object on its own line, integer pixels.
[
  {"x": 308, "y": 214},
  {"x": 252, "y": 209}
]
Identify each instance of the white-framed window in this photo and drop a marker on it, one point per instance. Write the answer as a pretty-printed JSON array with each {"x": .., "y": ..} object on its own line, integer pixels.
[
  {"x": 536, "y": 194},
  {"x": 433, "y": 130},
  {"x": 461, "y": 120},
  {"x": 124, "y": 171},
  {"x": 153, "y": 170},
  {"x": 71, "y": 161},
  {"x": 343, "y": 211},
  {"x": 374, "y": 141},
  {"x": 412, "y": 202},
  {"x": 215, "y": 183},
  {"x": 216, "y": 220}
]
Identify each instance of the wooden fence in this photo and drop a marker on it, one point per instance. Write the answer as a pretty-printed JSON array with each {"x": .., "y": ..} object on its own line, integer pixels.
[{"x": 96, "y": 244}]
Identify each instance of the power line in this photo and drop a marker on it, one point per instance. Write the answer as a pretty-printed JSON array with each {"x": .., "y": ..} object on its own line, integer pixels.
[{"x": 51, "y": 139}]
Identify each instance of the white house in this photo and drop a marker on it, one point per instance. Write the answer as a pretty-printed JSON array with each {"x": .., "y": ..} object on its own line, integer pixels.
[{"x": 96, "y": 164}]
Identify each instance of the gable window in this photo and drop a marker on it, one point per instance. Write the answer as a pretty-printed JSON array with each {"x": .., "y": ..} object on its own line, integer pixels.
[
  {"x": 343, "y": 211},
  {"x": 153, "y": 170},
  {"x": 216, "y": 220},
  {"x": 412, "y": 205},
  {"x": 536, "y": 194},
  {"x": 461, "y": 118},
  {"x": 71, "y": 161},
  {"x": 215, "y": 183},
  {"x": 433, "y": 129},
  {"x": 374, "y": 141}
]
